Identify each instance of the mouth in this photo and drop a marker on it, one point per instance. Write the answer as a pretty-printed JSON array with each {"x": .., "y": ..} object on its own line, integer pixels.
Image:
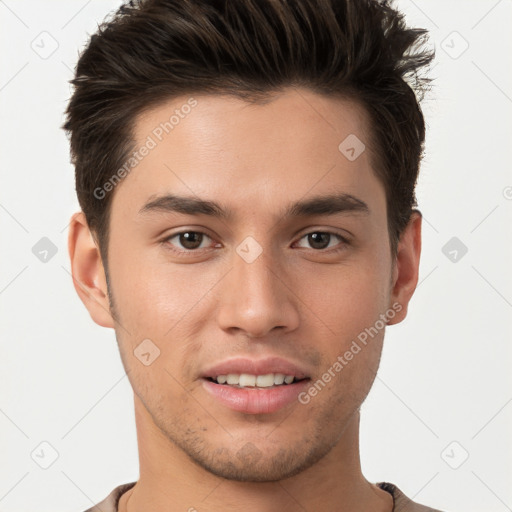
[
  {"x": 255, "y": 394},
  {"x": 256, "y": 386},
  {"x": 248, "y": 381}
]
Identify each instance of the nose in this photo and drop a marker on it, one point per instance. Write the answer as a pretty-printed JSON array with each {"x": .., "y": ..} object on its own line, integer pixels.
[{"x": 256, "y": 298}]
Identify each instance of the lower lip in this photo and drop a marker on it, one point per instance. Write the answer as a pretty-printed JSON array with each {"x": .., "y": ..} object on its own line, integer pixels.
[{"x": 255, "y": 400}]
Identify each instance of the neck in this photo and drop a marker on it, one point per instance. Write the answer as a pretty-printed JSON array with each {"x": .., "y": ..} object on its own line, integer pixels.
[{"x": 170, "y": 480}]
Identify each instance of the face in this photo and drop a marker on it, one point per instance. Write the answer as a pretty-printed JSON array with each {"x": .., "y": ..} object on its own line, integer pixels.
[{"x": 260, "y": 281}]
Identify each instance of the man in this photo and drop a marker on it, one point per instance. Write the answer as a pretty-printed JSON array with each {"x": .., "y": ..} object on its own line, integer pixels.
[{"x": 246, "y": 174}]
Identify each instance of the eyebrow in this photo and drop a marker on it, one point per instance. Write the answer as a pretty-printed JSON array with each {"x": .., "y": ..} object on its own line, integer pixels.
[{"x": 317, "y": 206}]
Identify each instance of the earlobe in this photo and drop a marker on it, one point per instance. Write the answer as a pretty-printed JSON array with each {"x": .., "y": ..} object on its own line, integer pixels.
[
  {"x": 87, "y": 270},
  {"x": 406, "y": 269}
]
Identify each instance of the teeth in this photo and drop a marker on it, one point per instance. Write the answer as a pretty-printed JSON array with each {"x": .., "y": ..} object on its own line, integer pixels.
[
  {"x": 232, "y": 378},
  {"x": 278, "y": 378},
  {"x": 264, "y": 381},
  {"x": 247, "y": 380},
  {"x": 260, "y": 381}
]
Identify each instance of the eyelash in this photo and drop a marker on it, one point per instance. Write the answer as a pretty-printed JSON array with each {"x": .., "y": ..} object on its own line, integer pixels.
[{"x": 191, "y": 252}]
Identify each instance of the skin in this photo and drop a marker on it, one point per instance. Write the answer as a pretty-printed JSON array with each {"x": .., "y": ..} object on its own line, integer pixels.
[{"x": 295, "y": 300}]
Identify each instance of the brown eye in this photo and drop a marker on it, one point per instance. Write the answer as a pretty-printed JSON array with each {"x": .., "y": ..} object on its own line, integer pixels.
[
  {"x": 319, "y": 240},
  {"x": 322, "y": 239},
  {"x": 191, "y": 239},
  {"x": 186, "y": 241}
]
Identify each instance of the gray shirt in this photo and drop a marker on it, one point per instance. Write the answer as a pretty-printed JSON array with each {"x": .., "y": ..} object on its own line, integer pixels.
[{"x": 401, "y": 502}]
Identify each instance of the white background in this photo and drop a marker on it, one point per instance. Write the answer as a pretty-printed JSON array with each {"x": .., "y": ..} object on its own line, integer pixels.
[{"x": 445, "y": 372}]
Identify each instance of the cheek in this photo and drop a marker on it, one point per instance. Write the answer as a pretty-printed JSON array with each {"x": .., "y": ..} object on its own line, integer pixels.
[
  {"x": 350, "y": 297},
  {"x": 152, "y": 295},
  {"x": 158, "y": 385}
]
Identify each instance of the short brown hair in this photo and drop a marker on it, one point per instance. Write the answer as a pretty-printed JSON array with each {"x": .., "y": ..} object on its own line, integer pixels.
[{"x": 150, "y": 51}]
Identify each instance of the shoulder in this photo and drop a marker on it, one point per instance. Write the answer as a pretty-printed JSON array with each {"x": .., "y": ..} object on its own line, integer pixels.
[
  {"x": 109, "y": 504},
  {"x": 401, "y": 502}
]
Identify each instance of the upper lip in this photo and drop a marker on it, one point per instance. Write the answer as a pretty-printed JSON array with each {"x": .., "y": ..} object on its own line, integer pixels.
[{"x": 255, "y": 367}]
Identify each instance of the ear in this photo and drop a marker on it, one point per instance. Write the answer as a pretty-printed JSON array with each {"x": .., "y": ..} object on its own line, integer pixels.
[
  {"x": 87, "y": 271},
  {"x": 406, "y": 266}
]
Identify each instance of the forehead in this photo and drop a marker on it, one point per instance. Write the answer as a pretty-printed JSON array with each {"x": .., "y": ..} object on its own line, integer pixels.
[{"x": 251, "y": 155}]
